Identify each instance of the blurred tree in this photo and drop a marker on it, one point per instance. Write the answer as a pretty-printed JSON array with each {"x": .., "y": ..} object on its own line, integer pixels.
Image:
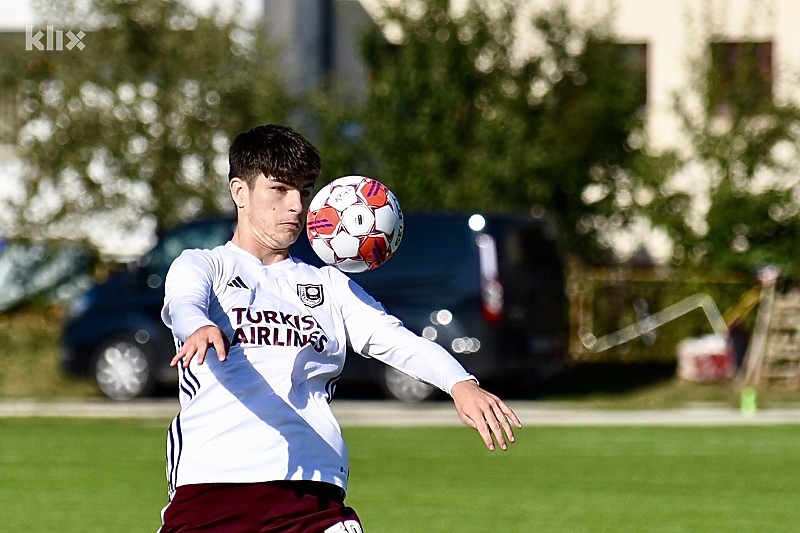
[
  {"x": 336, "y": 126},
  {"x": 13, "y": 63},
  {"x": 745, "y": 151},
  {"x": 136, "y": 125},
  {"x": 459, "y": 117}
]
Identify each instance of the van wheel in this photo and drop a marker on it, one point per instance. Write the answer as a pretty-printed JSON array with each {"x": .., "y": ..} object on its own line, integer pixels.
[
  {"x": 405, "y": 388},
  {"x": 123, "y": 371}
]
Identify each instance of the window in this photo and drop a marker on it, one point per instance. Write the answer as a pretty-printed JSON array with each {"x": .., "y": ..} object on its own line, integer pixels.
[
  {"x": 199, "y": 234},
  {"x": 740, "y": 77},
  {"x": 625, "y": 63},
  {"x": 633, "y": 59}
]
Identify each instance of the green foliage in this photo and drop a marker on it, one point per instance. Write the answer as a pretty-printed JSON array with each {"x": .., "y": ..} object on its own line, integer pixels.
[
  {"x": 744, "y": 144},
  {"x": 457, "y": 119},
  {"x": 136, "y": 125},
  {"x": 30, "y": 360},
  {"x": 337, "y": 129},
  {"x": 134, "y": 128}
]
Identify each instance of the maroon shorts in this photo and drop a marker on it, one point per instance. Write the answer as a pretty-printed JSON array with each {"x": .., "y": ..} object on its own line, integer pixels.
[{"x": 271, "y": 507}]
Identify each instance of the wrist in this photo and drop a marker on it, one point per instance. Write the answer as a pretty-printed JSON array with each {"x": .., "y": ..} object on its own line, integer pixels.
[{"x": 469, "y": 381}]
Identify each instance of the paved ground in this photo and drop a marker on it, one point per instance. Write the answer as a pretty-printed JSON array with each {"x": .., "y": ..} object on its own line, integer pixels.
[{"x": 389, "y": 413}]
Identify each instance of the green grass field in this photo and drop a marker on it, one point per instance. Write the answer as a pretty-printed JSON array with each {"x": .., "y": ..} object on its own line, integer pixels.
[{"x": 86, "y": 476}]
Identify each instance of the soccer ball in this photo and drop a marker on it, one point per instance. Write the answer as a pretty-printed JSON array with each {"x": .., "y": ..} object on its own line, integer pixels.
[{"x": 354, "y": 224}]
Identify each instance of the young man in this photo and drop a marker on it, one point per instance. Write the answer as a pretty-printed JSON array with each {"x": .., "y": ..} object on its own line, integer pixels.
[{"x": 256, "y": 447}]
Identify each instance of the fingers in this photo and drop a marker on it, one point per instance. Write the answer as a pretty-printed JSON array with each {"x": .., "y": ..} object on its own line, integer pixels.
[
  {"x": 498, "y": 427},
  {"x": 217, "y": 341},
  {"x": 510, "y": 415},
  {"x": 487, "y": 414},
  {"x": 493, "y": 430},
  {"x": 482, "y": 427},
  {"x": 189, "y": 351},
  {"x": 198, "y": 343},
  {"x": 178, "y": 356},
  {"x": 507, "y": 417}
]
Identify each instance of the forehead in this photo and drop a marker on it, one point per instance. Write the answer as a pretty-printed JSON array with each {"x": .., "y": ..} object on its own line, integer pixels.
[{"x": 297, "y": 183}]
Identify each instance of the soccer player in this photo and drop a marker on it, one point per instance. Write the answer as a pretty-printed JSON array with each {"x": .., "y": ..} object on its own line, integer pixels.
[{"x": 261, "y": 338}]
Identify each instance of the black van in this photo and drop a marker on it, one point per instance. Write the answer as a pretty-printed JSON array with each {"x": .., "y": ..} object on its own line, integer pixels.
[{"x": 489, "y": 288}]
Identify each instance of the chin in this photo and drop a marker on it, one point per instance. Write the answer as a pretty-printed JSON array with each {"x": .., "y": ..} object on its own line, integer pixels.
[{"x": 292, "y": 238}]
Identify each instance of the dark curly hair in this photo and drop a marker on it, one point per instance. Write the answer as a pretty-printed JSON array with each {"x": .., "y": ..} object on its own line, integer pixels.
[{"x": 276, "y": 151}]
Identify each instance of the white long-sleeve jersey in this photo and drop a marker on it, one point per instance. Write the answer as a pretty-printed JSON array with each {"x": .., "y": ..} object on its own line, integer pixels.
[{"x": 264, "y": 414}]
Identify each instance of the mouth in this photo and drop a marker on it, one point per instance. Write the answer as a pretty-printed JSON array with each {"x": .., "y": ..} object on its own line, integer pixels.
[{"x": 292, "y": 224}]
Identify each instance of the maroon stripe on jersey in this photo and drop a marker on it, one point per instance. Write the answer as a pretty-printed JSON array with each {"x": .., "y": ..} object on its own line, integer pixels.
[
  {"x": 174, "y": 449},
  {"x": 188, "y": 382},
  {"x": 270, "y": 507}
]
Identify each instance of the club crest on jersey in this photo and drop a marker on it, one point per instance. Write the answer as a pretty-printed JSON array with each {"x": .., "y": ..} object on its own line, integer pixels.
[{"x": 310, "y": 295}]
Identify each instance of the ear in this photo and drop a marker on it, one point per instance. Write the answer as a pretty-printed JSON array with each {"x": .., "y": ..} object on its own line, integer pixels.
[{"x": 239, "y": 192}]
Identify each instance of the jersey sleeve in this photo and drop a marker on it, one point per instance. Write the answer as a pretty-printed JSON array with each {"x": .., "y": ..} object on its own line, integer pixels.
[
  {"x": 187, "y": 292},
  {"x": 374, "y": 333},
  {"x": 416, "y": 356}
]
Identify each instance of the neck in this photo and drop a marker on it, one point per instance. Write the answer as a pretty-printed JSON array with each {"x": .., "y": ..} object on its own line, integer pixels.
[{"x": 253, "y": 246}]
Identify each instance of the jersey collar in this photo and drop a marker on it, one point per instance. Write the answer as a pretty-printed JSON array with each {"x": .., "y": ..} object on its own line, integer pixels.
[{"x": 285, "y": 263}]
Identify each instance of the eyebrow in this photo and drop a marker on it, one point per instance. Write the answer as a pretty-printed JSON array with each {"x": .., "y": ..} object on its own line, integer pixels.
[{"x": 287, "y": 183}]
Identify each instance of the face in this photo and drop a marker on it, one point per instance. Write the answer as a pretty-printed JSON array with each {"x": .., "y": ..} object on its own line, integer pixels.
[{"x": 271, "y": 214}]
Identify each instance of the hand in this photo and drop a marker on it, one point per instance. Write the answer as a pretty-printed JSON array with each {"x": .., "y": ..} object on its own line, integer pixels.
[
  {"x": 198, "y": 343},
  {"x": 486, "y": 413}
]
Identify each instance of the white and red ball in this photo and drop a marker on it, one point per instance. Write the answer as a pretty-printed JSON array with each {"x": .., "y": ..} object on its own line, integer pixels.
[{"x": 354, "y": 224}]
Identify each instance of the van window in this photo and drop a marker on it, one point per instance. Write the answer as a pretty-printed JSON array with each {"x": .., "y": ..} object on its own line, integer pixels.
[
  {"x": 533, "y": 274},
  {"x": 201, "y": 234},
  {"x": 437, "y": 254}
]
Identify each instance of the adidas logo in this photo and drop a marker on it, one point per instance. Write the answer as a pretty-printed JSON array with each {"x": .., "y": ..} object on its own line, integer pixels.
[{"x": 238, "y": 283}]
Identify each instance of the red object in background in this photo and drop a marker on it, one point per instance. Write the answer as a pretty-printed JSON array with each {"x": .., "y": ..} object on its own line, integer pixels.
[{"x": 707, "y": 358}]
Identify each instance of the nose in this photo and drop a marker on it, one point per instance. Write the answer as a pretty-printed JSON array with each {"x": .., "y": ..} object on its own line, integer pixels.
[{"x": 295, "y": 199}]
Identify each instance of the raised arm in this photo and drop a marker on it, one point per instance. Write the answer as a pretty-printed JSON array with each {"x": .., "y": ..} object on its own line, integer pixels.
[
  {"x": 187, "y": 290},
  {"x": 376, "y": 334}
]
